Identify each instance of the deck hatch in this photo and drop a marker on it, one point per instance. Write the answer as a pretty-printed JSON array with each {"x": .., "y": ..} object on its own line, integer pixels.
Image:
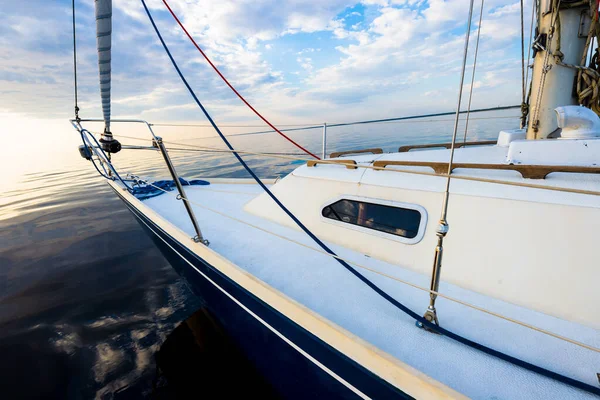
[{"x": 399, "y": 221}]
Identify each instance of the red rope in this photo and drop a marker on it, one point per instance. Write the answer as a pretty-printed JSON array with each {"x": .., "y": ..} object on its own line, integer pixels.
[{"x": 231, "y": 87}]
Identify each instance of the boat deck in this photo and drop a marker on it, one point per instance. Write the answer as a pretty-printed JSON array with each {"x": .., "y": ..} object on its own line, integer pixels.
[{"x": 320, "y": 283}]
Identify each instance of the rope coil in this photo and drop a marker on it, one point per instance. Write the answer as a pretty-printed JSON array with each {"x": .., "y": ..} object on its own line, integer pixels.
[{"x": 588, "y": 76}]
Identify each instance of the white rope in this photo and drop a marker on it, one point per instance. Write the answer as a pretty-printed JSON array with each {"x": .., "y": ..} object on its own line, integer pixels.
[{"x": 455, "y": 300}]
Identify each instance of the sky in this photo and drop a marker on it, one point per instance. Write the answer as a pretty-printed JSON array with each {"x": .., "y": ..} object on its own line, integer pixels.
[{"x": 296, "y": 61}]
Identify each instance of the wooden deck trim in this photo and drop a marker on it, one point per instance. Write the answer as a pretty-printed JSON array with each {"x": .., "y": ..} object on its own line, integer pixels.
[
  {"x": 527, "y": 171},
  {"x": 343, "y": 153},
  {"x": 404, "y": 149},
  {"x": 350, "y": 164}
]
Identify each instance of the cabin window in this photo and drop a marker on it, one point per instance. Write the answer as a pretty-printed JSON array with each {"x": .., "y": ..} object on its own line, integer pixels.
[{"x": 403, "y": 222}]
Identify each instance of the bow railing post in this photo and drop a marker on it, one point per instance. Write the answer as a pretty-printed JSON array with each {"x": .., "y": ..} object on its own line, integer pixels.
[
  {"x": 182, "y": 196},
  {"x": 324, "y": 154}
]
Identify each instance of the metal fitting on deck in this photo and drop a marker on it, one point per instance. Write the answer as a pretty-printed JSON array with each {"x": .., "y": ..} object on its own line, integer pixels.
[{"x": 442, "y": 228}]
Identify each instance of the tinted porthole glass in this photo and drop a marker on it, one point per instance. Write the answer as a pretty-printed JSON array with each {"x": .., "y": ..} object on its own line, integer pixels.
[{"x": 397, "y": 221}]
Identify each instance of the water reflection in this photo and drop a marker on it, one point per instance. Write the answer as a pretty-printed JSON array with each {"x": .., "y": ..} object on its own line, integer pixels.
[
  {"x": 198, "y": 359},
  {"x": 86, "y": 300}
]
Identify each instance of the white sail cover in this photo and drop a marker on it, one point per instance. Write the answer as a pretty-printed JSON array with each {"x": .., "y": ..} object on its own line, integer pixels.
[{"x": 103, "y": 42}]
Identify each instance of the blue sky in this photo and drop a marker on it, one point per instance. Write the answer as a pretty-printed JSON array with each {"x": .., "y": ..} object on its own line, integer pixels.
[{"x": 296, "y": 61}]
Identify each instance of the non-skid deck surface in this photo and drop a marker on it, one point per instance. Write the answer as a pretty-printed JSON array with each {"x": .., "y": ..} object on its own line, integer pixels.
[{"x": 323, "y": 285}]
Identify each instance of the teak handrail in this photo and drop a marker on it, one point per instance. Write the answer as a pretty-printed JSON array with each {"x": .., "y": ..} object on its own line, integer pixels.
[
  {"x": 343, "y": 153},
  {"x": 404, "y": 149},
  {"x": 350, "y": 164},
  {"x": 527, "y": 171}
]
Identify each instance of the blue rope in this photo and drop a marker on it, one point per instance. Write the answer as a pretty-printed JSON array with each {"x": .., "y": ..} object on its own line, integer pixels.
[
  {"x": 417, "y": 317},
  {"x": 85, "y": 131},
  {"x": 158, "y": 188},
  {"x": 105, "y": 174}
]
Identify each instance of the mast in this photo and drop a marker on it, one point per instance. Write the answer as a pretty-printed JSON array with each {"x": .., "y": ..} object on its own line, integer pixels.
[{"x": 563, "y": 27}]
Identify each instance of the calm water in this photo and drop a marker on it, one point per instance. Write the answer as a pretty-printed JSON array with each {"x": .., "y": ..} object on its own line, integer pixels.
[{"x": 86, "y": 300}]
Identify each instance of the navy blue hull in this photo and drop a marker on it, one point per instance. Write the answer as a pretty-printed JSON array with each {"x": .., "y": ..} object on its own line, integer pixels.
[{"x": 290, "y": 372}]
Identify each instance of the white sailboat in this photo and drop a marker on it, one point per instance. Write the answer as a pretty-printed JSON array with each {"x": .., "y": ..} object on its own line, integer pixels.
[{"x": 324, "y": 278}]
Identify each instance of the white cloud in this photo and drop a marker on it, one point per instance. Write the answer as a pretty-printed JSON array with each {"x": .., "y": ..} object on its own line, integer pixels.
[
  {"x": 307, "y": 50},
  {"x": 418, "y": 53},
  {"x": 225, "y": 21},
  {"x": 375, "y": 2},
  {"x": 305, "y": 63},
  {"x": 402, "y": 55},
  {"x": 508, "y": 9}
]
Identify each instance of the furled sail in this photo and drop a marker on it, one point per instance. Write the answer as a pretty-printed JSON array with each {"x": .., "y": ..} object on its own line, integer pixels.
[{"x": 103, "y": 41}]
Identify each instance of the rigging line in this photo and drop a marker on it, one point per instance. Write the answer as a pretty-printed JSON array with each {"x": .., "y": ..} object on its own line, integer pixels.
[
  {"x": 126, "y": 146},
  {"x": 473, "y": 74},
  {"x": 441, "y": 114},
  {"x": 227, "y": 151},
  {"x": 442, "y": 227},
  {"x": 528, "y": 83},
  {"x": 232, "y": 88},
  {"x": 591, "y": 51},
  {"x": 440, "y": 120},
  {"x": 358, "y": 275},
  {"x": 460, "y": 91},
  {"x": 309, "y": 127},
  {"x": 105, "y": 174},
  {"x": 523, "y": 83},
  {"x": 407, "y": 118},
  {"x": 89, "y": 145},
  {"x": 450, "y": 298},
  {"x": 533, "y": 4},
  {"x": 224, "y": 125},
  {"x": 106, "y": 158},
  {"x": 75, "y": 63},
  {"x": 406, "y": 171}
]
